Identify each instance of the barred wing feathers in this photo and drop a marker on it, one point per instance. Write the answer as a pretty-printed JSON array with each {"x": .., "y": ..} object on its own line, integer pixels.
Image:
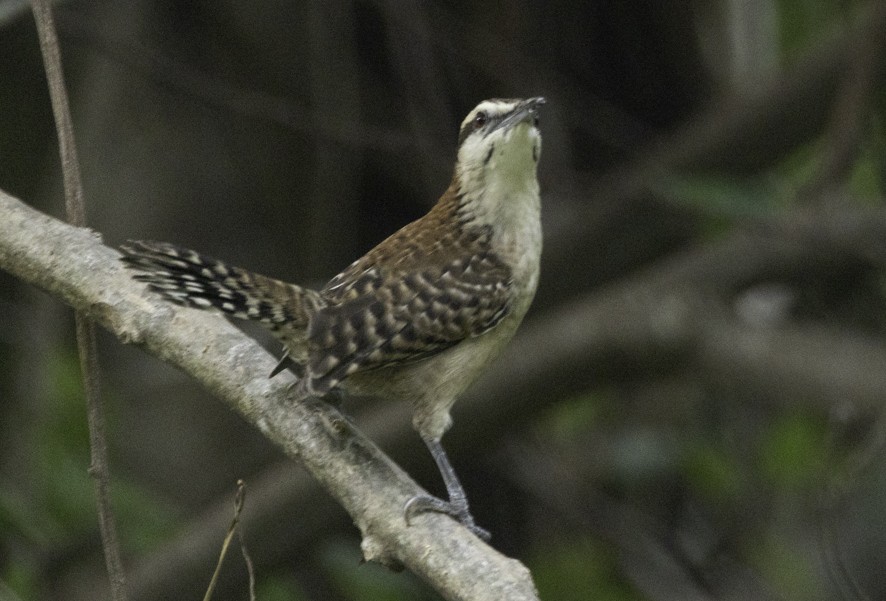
[{"x": 405, "y": 301}]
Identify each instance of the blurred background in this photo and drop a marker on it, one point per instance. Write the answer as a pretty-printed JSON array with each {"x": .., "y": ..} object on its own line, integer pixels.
[{"x": 692, "y": 409}]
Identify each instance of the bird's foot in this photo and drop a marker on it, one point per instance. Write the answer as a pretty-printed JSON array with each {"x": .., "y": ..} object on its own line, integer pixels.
[{"x": 458, "y": 511}]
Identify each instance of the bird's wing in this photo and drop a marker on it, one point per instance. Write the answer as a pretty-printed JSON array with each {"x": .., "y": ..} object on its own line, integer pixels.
[{"x": 407, "y": 307}]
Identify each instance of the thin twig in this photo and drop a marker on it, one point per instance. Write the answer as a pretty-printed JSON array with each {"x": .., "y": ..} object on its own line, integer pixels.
[
  {"x": 250, "y": 568},
  {"x": 233, "y": 528},
  {"x": 86, "y": 345}
]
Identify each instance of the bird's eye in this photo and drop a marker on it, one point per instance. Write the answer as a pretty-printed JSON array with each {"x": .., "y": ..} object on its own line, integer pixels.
[{"x": 480, "y": 120}]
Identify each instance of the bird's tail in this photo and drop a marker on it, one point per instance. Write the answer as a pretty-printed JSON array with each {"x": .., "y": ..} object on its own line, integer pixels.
[{"x": 188, "y": 278}]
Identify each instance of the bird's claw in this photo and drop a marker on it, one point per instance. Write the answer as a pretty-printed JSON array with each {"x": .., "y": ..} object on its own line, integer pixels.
[{"x": 458, "y": 511}]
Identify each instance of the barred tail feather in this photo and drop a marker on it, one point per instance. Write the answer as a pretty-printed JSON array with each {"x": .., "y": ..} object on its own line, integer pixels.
[{"x": 188, "y": 278}]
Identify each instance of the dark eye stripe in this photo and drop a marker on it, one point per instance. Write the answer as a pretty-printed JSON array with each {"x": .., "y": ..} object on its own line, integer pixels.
[{"x": 489, "y": 123}]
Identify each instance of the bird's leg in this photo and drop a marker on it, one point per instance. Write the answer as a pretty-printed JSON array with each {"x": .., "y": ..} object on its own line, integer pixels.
[{"x": 457, "y": 505}]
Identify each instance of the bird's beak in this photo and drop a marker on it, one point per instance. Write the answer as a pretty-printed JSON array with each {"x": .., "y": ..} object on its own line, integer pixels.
[{"x": 526, "y": 110}]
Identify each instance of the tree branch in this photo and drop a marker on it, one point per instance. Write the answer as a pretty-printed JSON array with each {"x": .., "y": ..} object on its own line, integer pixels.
[
  {"x": 75, "y": 207},
  {"x": 73, "y": 265}
]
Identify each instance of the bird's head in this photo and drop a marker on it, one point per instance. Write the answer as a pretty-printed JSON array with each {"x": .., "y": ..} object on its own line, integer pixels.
[{"x": 499, "y": 145}]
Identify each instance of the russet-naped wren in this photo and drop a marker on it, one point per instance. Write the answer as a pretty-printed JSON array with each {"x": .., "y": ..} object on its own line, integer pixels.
[{"x": 421, "y": 315}]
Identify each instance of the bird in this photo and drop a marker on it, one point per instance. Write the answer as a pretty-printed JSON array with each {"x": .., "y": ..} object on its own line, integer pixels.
[{"x": 419, "y": 317}]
